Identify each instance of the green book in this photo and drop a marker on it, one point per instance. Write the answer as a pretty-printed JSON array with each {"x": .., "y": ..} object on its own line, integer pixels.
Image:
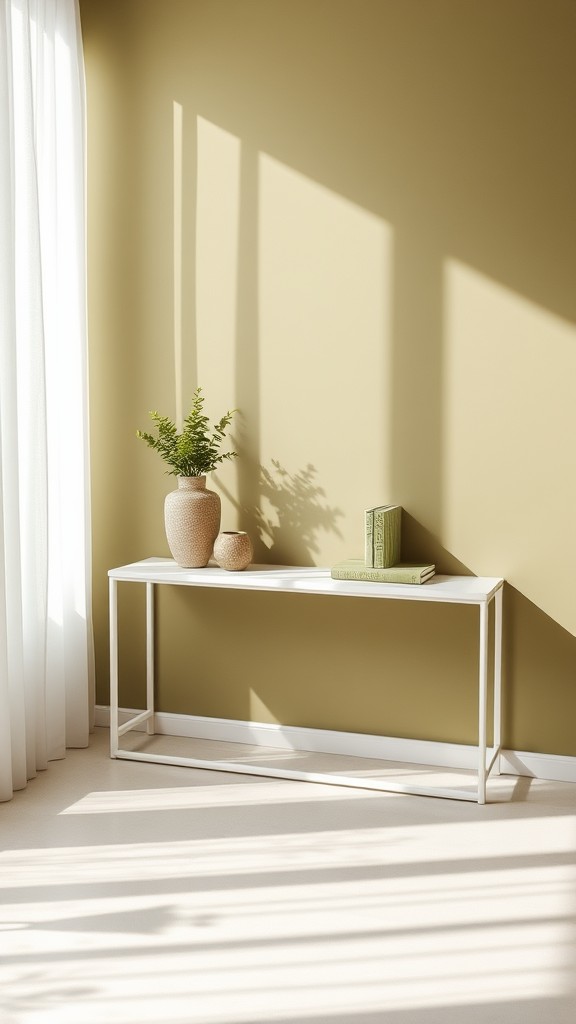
[
  {"x": 369, "y": 537},
  {"x": 403, "y": 572},
  {"x": 386, "y": 536}
]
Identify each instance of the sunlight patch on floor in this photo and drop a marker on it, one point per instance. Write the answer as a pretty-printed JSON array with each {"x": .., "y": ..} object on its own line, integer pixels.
[
  {"x": 219, "y": 931},
  {"x": 184, "y": 797}
]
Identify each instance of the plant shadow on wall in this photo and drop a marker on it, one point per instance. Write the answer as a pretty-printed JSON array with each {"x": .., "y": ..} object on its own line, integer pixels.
[{"x": 291, "y": 513}]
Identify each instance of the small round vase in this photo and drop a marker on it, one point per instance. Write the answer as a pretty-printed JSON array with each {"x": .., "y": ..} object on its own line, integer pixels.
[
  {"x": 233, "y": 550},
  {"x": 192, "y": 521}
]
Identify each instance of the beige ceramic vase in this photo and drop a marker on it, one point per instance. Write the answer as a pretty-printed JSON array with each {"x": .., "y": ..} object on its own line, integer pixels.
[
  {"x": 233, "y": 550},
  {"x": 192, "y": 521}
]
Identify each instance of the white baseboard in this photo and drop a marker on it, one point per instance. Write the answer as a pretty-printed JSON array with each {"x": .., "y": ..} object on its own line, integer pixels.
[{"x": 553, "y": 767}]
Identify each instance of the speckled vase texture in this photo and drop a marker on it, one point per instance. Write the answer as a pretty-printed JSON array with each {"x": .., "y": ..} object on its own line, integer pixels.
[
  {"x": 192, "y": 521},
  {"x": 233, "y": 550}
]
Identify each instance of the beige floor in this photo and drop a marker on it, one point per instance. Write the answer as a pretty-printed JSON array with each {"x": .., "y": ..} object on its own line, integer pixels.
[{"x": 137, "y": 893}]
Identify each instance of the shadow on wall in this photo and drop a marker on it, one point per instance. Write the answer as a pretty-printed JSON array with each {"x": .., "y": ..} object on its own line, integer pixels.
[
  {"x": 421, "y": 545},
  {"x": 289, "y": 515},
  {"x": 538, "y": 670}
]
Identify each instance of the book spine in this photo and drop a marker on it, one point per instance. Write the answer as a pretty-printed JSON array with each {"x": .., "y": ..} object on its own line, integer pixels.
[
  {"x": 386, "y": 537},
  {"x": 369, "y": 538},
  {"x": 378, "y": 541},
  {"x": 367, "y": 575}
]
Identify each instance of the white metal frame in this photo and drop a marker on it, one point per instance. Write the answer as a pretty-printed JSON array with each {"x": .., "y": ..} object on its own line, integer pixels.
[{"x": 467, "y": 590}]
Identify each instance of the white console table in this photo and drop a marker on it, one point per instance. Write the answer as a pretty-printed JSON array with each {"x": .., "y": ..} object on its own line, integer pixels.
[{"x": 463, "y": 590}]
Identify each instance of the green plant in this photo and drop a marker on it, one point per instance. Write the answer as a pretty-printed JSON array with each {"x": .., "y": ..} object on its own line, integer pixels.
[{"x": 195, "y": 451}]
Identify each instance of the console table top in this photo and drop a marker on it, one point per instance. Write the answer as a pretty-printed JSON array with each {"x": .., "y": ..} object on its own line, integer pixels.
[{"x": 308, "y": 580}]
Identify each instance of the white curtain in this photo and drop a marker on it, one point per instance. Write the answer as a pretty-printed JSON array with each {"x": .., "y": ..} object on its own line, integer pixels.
[{"x": 46, "y": 659}]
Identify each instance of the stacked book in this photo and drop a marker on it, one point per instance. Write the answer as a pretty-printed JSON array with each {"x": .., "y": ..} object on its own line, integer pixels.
[{"x": 382, "y": 552}]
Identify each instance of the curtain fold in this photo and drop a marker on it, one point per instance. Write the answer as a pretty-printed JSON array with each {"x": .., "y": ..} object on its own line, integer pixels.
[{"x": 46, "y": 659}]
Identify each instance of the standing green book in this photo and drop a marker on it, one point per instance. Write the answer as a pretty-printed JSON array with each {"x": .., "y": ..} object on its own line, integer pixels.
[
  {"x": 369, "y": 537},
  {"x": 386, "y": 536}
]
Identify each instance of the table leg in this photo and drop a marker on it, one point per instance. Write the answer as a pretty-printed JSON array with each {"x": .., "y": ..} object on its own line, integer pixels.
[
  {"x": 482, "y": 699},
  {"x": 150, "y": 657},
  {"x": 113, "y": 611},
  {"x": 497, "y": 740}
]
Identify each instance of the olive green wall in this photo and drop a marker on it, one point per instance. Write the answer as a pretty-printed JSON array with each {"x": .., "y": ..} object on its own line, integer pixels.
[{"x": 355, "y": 221}]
